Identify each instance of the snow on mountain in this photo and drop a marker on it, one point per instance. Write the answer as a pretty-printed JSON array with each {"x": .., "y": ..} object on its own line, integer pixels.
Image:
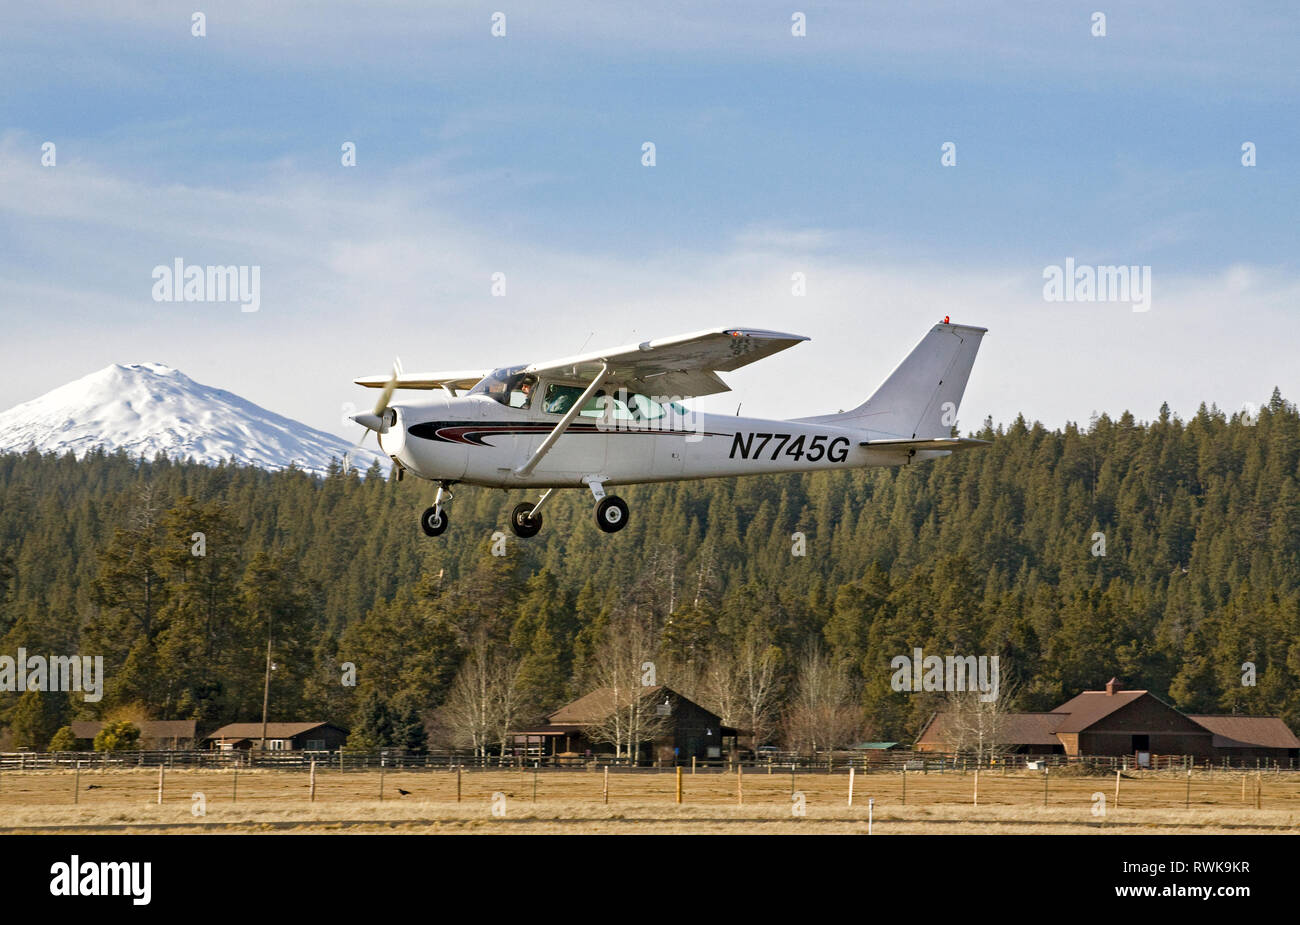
[{"x": 148, "y": 408}]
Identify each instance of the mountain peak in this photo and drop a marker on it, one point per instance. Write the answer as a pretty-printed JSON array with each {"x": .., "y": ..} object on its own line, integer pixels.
[
  {"x": 159, "y": 369},
  {"x": 151, "y": 408}
]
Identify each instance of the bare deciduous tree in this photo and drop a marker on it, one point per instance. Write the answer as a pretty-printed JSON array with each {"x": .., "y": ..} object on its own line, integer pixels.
[
  {"x": 823, "y": 713},
  {"x": 742, "y": 685},
  {"x": 483, "y": 701},
  {"x": 623, "y": 670},
  {"x": 974, "y": 726}
]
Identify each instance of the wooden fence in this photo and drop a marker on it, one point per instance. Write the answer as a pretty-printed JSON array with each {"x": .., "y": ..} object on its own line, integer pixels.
[{"x": 891, "y": 760}]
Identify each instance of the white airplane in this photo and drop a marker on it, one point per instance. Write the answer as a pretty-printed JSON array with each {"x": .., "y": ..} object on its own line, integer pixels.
[{"x": 613, "y": 417}]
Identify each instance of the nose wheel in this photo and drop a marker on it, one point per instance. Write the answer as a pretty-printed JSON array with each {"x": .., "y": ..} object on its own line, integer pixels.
[
  {"x": 611, "y": 514},
  {"x": 434, "y": 520}
]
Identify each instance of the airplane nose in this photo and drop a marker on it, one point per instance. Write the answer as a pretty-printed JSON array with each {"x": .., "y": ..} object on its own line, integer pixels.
[{"x": 368, "y": 421}]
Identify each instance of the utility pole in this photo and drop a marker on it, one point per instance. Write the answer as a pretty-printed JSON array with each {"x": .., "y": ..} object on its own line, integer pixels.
[{"x": 266, "y": 686}]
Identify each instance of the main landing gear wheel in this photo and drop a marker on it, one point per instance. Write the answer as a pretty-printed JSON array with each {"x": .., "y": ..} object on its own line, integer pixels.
[
  {"x": 434, "y": 522},
  {"x": 611, "y": 514},
  {"x": 524, "y": 522}
]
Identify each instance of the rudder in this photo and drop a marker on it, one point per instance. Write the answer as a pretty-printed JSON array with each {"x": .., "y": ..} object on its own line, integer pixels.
[{"x": 921, "y": 396}]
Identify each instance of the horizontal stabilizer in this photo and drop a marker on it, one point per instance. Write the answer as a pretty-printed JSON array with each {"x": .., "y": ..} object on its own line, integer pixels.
[{"x": 933, "y": 443}]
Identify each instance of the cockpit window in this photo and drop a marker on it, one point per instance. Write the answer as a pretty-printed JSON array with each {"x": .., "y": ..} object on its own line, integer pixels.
[{"x": 510, "y": 386}]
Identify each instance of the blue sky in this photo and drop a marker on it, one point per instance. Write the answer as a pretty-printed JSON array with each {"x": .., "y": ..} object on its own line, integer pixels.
[{"x": 775, "y": 154}]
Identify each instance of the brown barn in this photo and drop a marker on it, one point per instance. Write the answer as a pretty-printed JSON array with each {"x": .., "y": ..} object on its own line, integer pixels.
[
  {"x": 154, "y": 733},
  {"x": 279, "y": 736},
  {"x": 689, "y": 730},
  {"x": 1114, "y": 722}
]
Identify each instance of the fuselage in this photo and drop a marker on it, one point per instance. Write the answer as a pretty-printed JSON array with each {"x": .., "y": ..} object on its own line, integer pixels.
[{"x": 481, "y": 441}]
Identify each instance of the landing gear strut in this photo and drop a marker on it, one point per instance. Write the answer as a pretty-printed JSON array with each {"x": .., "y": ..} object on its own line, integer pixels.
[{"x": 434, "y": 520}]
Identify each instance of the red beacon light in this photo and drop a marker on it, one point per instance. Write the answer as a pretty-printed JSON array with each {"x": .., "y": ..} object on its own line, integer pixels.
[{"x": 945, "y": 319}]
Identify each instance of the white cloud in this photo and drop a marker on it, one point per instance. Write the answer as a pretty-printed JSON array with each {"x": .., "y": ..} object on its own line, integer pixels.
[{"x": 356, "y": 271}]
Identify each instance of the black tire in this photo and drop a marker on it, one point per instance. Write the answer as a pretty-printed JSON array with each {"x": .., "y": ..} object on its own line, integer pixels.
[
  {"x": 433, "y": 523},
  {"x": 611, "y": 514},
  {"x": 523, "y": 522}
]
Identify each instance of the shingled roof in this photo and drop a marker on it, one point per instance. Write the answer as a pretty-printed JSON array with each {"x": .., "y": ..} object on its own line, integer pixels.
[
  {"x": 597, "y": 706},
  {"x": 149, "y": 729},
  {"x": 238, "y": 731},
  {"x": 1092, "y": 706},
  {"x": 1247, "y": 731},
  {"x": 1016, "y": 728}
]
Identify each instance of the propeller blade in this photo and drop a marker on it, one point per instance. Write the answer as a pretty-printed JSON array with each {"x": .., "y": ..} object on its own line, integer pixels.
[
  {"x": 387, "y": 394},
  {"x": 347, "y": 457}
]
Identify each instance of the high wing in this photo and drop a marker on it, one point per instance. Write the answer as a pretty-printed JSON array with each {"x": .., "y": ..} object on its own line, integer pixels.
[
  {"x": 683, "y": 366},
  {"x": 458, "y": 380}
]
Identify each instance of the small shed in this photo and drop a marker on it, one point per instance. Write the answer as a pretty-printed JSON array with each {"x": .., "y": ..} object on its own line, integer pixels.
[
  {"x": 154, "y": 733},
  {"x": 279, "y": 737}
]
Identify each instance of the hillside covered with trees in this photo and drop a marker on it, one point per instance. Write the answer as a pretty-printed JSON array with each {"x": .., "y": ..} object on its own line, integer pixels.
[{"x": 992, "y": 551}]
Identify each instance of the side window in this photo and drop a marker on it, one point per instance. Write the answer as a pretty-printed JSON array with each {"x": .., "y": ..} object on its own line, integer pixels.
[
  {"x": 621, "y": 406},
  {"x": 560, "y": 398},
  {"x": 606, "y": 406}
]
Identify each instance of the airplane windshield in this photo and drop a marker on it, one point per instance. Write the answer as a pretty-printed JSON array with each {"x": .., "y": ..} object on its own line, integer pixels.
[{"x": 509, "y": 385}]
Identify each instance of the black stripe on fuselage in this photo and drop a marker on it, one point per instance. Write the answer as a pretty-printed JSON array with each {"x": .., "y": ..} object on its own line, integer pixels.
[{"x": 474, "y": 434}]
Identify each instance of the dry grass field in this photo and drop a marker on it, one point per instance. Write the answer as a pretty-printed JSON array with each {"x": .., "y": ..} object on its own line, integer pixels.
[{"x": 641, "y": 802}]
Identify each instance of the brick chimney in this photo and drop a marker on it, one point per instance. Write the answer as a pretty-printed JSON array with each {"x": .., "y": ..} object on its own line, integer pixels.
[{"x": 1112, "y": 686}]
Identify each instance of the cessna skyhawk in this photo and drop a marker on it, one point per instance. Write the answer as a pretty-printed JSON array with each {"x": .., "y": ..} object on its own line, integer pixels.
[{"x": 614, "y": 417}]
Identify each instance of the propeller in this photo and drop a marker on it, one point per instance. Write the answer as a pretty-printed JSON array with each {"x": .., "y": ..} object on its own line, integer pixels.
[{"x": 375, "y": 420}]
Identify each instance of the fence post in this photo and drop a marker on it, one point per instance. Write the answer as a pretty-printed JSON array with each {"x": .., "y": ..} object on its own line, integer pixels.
[
  {"x": 234, "y": 790},
  {"x": 161, "y": 767},
  {"x": 76, "y": 783},
  {"x": 1117, "y": 786},
  {"x": 740, "y": 785},
  {"x": 606, "y": 790},
  {"x": 692, "y": 764},
  {"x": 381, "y": 783},
  {"x": 458, "y": 767},
  {"x": 1187, "y": 803},
  {"x": 312, "y": 794},
  {"x": 850, "y": 785},
  {"x": 904, "y": 784},
  {"x": 679, "y": 783},
  {"x": 977, "y": 787},
  {"x": 1046, "y": 772}
]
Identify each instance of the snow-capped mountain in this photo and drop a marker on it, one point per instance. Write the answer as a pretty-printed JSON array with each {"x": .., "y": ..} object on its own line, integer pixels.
[{"x": 148, "y": 408}]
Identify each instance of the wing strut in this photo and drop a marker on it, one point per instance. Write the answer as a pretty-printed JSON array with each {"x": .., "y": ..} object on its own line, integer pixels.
[{"x": 527, "y": 468}]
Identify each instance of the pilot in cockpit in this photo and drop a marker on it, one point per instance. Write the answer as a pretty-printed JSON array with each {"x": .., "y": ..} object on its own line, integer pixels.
[{"x": 519, "y": 391}]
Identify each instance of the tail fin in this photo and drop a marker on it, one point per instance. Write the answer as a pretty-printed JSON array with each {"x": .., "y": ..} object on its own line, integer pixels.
[{"x": 921, "y": 397}]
